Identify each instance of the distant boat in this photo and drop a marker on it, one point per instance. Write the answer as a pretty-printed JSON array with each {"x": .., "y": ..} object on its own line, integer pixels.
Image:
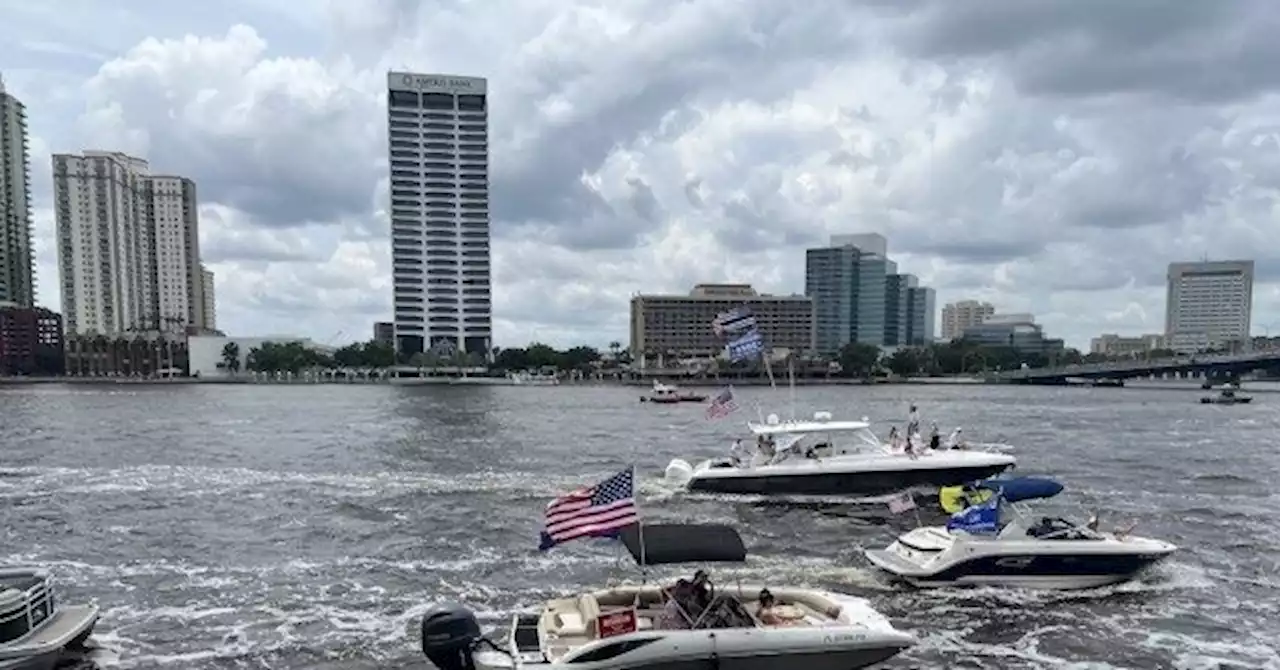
[{"x": 670, "y": 394}]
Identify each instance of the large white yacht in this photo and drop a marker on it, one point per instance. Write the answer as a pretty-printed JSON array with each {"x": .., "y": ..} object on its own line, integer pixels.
[
  {"x": 825, "y": 457},
  {"x": 695, "y": 623},
  {"x": 994, "y": 542}
]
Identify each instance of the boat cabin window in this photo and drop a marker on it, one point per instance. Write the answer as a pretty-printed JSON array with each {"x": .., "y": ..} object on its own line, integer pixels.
[
  {"x": 612, "y": 650},
  {"x": 828, "y": 443}
]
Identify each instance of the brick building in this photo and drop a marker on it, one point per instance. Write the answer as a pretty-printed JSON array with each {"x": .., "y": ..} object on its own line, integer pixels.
[{"x": 30, "y": 341}]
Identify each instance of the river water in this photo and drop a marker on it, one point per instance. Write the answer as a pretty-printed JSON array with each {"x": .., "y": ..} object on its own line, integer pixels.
[{"x": 311, "y": 526}]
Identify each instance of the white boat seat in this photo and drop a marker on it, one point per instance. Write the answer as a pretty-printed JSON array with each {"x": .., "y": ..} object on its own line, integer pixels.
[{"x": 589, "y": 608}]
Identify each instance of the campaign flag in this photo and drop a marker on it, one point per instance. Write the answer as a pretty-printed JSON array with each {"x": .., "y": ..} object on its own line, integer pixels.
[
  {"x": 595, "y": 511},
  {"x": 722, "y": 405},
  {"x": 745, "y": 347},
  {"x": 977, "y": 519},
  {"x": 739, "y": 320},
  {"x": 902, "y": 502}
]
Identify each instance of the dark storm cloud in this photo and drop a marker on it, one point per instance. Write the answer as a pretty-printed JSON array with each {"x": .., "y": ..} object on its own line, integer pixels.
[
  {"x": 643, "y": 201},
  {"x": 1197, "y": 51}
]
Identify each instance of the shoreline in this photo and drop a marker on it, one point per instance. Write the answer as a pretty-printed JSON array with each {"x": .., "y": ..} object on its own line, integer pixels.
[{"x": 473, "y": 381}]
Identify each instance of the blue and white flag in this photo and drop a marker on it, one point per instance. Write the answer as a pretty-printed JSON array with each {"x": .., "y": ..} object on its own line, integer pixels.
[
  {"x": 745, "y": 347},
  {"x": 977, "y": 519},
  {"x": 736, "y": 320}
]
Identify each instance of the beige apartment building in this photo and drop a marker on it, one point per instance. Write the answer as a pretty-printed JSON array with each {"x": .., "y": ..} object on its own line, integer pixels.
[
  {"x": 959, "y": 316},
  {"x": 681, "y": 324}
]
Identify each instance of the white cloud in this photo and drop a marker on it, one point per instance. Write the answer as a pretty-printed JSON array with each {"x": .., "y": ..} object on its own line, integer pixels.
[{"x": 644, "y": 146}]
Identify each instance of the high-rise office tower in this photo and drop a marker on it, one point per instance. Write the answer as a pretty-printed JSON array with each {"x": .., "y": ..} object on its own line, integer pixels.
[
  {"x": 1208, "y": 304},
  {"x": 437, "y": 134},
  {"x": 859, "y": 296},
  {"x": 17, "y": 269},
  {"x": 957, "y": 316},
  {"x": 128, "y": 246}
]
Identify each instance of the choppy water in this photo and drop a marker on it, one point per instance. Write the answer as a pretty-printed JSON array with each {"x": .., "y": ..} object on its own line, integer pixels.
[{"x": 309, "y": 527}]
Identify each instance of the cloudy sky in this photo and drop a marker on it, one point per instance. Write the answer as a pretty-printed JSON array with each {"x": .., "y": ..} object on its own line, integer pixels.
[{"x": 1051, "y": 157}]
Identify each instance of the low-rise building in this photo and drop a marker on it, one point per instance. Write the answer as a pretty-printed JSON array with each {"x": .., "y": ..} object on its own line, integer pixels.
[
  {"x": 211, "y": 356},
  {"x": 680, "y": 325},
  {"x": 148, "y": 354},
  {"x": 30, "y": 341},
  {"x": 1110, "y": 344},
  {"x": 1019, "y": 332}
]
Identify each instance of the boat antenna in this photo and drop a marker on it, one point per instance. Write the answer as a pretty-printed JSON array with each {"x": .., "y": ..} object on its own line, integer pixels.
[
  {"x": 791, "y": 382},
  {"x": 644, "y": 554},
  {"x": 767, "y": 355}
]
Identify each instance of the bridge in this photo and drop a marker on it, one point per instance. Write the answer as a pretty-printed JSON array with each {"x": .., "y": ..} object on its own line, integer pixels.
[{"x": 1208, "y": 365}]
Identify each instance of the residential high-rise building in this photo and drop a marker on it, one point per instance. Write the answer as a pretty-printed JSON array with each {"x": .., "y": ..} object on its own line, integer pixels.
[
  {"x": 859, "y": 296},
  {"x": 437, "y": 133},
  {"x": 128, "y": 246},
  {"x": 1208, "y": 304},
  {"x": 17, "y": 273},
  {"x": 957, "y": 316},
  {"x": 209, "y": 317}
]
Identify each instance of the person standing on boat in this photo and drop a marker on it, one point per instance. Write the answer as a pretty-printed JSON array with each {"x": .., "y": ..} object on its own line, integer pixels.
[
  {"x": 738, "y": 452},
  {"x": 913, "y": 422}
]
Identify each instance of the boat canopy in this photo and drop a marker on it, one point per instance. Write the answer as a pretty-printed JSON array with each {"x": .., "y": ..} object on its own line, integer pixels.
[
  {"x": 668, "y": 543},
  {"x": 806, "y": 427},
  {"x": 1016, "y": 489}
]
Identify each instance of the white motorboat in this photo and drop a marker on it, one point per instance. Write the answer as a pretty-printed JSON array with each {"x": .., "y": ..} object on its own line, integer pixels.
[
  {"x": 692, "y": 625},
  {"x": 825, "y": 457},
  {"x": 35, "y": 629},
  {"x": 993, "y": 542}
]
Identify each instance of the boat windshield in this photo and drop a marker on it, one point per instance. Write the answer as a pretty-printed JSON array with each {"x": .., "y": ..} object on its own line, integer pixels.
[{"x": 823, "y": 444}]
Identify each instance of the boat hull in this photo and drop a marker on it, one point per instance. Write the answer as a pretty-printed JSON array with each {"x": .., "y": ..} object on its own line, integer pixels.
[
  {"x": 837, "y": 659},
  {"x": 849, "y": 482},
  {"x": 1059, "y": 571}
]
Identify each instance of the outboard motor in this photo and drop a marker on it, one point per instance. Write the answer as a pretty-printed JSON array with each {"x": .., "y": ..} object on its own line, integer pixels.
[{"x": 449, "y": 636}]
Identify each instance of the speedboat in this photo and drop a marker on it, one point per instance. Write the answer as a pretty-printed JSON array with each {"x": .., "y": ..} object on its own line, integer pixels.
[
  {"x": 995, "y": 542},
  {"x": 1227, "y": 396},
  {"x": 35, "y": 629},
  {"x": 694, "y": 624},
  {"x": 825, "y": 457}
]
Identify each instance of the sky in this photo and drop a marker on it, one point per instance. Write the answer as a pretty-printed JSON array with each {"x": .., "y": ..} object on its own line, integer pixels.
[{"x": 1050, "y": 157}]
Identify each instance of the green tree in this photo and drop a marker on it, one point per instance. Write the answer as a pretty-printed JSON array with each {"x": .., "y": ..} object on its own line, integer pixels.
[
  {"x": 288, "y": 357},
  {"x": 231, "y": 357},
  {"x": 541, "y": 355},
  {"x": 858, "y": 359},
  {"x": 511, "y": 358},
  {"x": 578, "y": 358},
  {"x": 906, "y": 361}
]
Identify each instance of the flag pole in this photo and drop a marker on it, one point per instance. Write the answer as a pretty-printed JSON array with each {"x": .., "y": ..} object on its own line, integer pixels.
[
  {"x": 768, "y": 368},
  {"x": 644, "y": 555}
]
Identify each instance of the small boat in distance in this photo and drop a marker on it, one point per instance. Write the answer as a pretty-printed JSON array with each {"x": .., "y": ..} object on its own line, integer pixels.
[
  {"x": 670, "y": 394},
  {"x": 35, "y": 629},
  {"x": 1227, "y": 395},
  {"x": 693, "y": 624},
  {"x": 992, "y": 542},
  {"x": 824, "y": 457}
]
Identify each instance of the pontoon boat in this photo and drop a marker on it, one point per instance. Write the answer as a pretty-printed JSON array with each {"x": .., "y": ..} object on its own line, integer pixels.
[
  {"x": 825, "y": 457},
  {"x": 692, "y": 625},
  {"x": 34, "y": 628},
  {"x": 993, "y": 542}
]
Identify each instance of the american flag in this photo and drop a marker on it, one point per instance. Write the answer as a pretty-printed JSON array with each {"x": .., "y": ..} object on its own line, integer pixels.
[
  {"x": 595, "y": 511},
  {"x": 722, "y": 405}
]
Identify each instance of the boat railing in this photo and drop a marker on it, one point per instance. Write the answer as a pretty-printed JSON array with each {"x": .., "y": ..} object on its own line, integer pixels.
[{"x": 35, "y": 606}]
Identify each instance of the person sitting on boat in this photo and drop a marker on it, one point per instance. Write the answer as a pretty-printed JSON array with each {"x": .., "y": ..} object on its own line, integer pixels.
[
  {"x": 765, "y": 610},
  {"x": 738, "y": 453},
  {"x": 893, "y": 437},
  {"x": 766, "y": 447},
  {"x": 909, "y": 448},
  {"x": 955, "y": 441},
  {"x": 935, "y": 440}
]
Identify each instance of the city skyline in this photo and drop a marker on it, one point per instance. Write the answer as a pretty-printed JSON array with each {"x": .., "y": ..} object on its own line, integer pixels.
[{"x": 1000, "y": 184}]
